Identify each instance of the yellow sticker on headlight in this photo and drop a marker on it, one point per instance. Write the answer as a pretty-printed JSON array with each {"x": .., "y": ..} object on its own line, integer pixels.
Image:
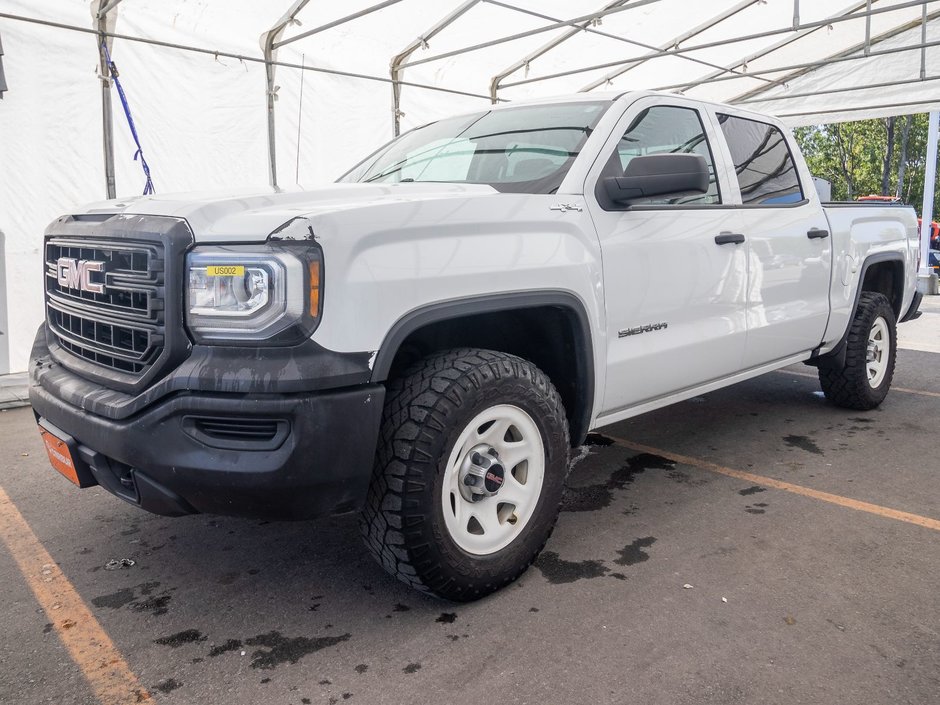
[{"x": 225, "y": 270}]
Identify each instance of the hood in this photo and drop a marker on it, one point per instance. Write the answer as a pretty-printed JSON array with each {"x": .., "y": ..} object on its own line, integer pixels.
[{"x": 250, "y": 216}]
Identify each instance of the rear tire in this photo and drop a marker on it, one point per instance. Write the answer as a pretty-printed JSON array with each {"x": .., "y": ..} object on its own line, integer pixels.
[
  {"x": 447, "y": 415},
  {"x": 864, "y": 380}
]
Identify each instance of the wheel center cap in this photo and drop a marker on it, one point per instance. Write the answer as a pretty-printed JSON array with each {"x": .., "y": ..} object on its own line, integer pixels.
[
  {"x": 493, "y": 479},
  {"x": 481, "y": 473}
]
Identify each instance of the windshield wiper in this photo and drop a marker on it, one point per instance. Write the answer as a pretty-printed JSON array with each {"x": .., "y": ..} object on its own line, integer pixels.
[{"x": 380, "y": 176}]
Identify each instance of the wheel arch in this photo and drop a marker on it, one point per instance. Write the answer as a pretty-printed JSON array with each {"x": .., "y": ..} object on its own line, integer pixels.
[
  {"x": 549, "y": 328},
  {"x": 874, "y": 276},
  {"x": 883, "y": 273}
]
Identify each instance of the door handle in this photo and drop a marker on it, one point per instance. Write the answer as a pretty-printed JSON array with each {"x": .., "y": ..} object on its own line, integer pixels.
[
  {"x": 817, "y": 233},
  {"x": 729, "y": 239}
]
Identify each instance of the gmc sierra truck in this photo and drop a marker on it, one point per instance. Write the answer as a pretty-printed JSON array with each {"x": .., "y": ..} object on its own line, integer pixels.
[{"x": 427, "y": 339}]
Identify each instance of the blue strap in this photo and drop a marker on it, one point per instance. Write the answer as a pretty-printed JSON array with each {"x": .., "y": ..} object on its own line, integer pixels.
[{"x": 148, "y": 187}]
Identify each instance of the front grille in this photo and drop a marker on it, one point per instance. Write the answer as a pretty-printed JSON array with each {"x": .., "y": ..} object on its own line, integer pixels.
[{"x": 121, "y": 327}]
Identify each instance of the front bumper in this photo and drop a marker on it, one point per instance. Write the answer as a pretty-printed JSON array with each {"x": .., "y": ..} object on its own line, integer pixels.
[{"x": 284, "y": 456}]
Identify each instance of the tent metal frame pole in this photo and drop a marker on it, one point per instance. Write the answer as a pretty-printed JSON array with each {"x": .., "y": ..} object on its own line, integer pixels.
[
  {"x": 799, "y": 34},
  {"x": 923, "y": 40},
  {"x": 245, "y": 58},
  {"x": 726, "y": 42},
  {"x": 395, "y": 65},
  {"x": 335, "y": 23},
  {"x": 577, "y": 27},
  {"x": 108, "y": 6},
  {"x": 850, "y": 53},
  {"x": 572, "y": 31},
  {"x": 796, "y": 14},
  {"x": 107, "y": 117},
  {"x": 834, "y": 91},
  {"x": 267, "y": 46},
  {"x": 107, "y": 120},
  {"x": 925, "y": 274},
  {"x": 907, "y": 106},
  {"x": 674, "y": 42},
  {"x": 588, "y": 26},
  {"x": 868, "y": 27},
  {"x": 538, "y": 30},
  {"x": 798, "y": 67}
]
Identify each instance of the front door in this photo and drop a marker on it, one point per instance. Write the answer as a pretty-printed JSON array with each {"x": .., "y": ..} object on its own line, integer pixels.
[{"x": 675, "y": 297}]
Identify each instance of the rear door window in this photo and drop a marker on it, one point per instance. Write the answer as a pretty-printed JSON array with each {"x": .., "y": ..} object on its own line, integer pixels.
[{"x": 762, "y": 160}]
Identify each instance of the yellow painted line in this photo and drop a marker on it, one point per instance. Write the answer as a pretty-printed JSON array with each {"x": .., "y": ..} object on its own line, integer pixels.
[
  {"x": 893, "y": 389},
  {"x": 855, "y": 504},
  {"x": 103, "y": 666}
]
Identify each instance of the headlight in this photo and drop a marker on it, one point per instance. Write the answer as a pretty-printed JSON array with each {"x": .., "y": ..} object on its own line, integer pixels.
[{"x": 253, "y": 294}]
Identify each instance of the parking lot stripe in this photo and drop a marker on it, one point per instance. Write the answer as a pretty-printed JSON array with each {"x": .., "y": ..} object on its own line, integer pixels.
[
  {"x": 103, "y": 666},
  {"x": 848, "y": 502},
  {"x": 893, "y": 389}
]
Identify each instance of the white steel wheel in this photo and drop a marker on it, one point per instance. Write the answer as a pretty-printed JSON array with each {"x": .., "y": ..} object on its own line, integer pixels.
[
  {"x": 879, "y": 345},
  {"x": 469, "y": 472},
  {"x": 862, "y": 377},
  {"x": 493, "y": 479}
]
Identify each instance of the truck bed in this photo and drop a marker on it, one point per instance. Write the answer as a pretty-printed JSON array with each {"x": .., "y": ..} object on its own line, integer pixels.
[{"x": 863, "y": 233}]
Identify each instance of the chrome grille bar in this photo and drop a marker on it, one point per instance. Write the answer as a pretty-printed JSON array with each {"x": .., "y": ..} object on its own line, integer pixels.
[{"x": 121, "y": 327}]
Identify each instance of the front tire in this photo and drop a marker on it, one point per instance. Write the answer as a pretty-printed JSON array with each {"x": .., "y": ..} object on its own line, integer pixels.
[
  {"x": 863, "y": 381},
  {"x": 469, "y": 473}
]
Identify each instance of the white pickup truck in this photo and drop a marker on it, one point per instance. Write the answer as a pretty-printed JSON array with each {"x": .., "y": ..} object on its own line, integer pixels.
[{"x": 427, "y": 339}]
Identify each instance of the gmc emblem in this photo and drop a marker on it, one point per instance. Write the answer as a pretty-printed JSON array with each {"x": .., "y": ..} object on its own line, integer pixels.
[{"x": 76, "y": 274}]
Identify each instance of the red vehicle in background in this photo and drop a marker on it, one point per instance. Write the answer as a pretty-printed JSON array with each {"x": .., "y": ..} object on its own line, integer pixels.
[
  {"x": 934, "y": 225},
  {"x": 934, "y": 234}
]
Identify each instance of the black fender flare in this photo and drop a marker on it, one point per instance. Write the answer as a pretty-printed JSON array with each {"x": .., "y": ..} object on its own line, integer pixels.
[
  {"x": 836, "y": 356},
  {"x": 492, "y": 303}
]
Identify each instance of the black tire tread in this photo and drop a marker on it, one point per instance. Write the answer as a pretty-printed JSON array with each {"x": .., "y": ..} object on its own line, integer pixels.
[
  {"x": 848, "y": 386},
  {"x": 416, "y": 411}
]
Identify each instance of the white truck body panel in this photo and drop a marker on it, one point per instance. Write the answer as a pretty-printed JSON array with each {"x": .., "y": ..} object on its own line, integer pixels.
[
  {"x": 732, "y": 312},
  {"x": 857, "y": 237}
]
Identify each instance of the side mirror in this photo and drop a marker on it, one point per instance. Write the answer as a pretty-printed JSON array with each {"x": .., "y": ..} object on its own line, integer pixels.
[{"x": 659, "y": 175}]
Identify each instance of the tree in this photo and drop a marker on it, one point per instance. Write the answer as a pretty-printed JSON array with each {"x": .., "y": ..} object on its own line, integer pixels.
[
  {"x": 902, "y": 157},
  {"x": 889, "y": 156},
  {"x": 868, "y": 157}
]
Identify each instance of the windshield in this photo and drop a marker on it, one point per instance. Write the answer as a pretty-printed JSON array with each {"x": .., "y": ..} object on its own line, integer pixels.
[{"x": 516, "y": 150}]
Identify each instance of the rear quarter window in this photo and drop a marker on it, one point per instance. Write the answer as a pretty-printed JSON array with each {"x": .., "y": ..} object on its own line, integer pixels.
[{"x": 766, "y": 171}]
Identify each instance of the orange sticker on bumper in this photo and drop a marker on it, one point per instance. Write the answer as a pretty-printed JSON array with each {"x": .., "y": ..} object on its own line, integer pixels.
[{"x": 59, "y": 455}]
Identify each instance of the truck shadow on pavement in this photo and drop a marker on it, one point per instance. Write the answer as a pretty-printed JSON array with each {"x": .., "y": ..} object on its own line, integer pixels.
[{"x": 214, "y": 590}]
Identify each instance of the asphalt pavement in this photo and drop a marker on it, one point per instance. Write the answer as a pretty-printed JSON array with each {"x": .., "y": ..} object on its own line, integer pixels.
[{"x": 754, "y": 545}]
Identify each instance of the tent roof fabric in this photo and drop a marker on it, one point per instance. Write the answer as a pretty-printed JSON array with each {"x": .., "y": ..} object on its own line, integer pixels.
[{"x": 806, "y": 60}]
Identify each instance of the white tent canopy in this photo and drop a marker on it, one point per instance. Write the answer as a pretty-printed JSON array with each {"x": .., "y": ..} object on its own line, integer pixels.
[{"x": 197, "y": 83}]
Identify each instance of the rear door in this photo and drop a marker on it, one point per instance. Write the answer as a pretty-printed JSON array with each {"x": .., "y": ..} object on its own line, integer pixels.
[
  {"x": 675, "y": 298},
  {"x": 789, "y": 251}
]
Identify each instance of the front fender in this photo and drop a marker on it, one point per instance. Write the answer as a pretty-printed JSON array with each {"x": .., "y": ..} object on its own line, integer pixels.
[{"x": 386, "y": 263}]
